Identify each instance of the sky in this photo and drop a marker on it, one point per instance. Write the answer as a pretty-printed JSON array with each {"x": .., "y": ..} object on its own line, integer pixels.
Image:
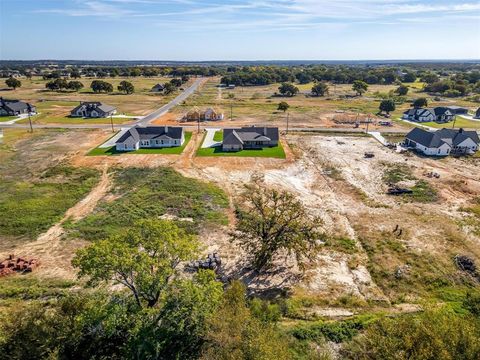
[{"x": 199, "y": 30}]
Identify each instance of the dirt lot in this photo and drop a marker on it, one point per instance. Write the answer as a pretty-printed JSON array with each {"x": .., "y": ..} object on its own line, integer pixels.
[{"x": 332, "y": 177}]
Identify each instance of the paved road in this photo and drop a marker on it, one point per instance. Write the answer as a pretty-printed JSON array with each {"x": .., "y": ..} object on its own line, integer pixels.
[{"x": 166, "y": 108}]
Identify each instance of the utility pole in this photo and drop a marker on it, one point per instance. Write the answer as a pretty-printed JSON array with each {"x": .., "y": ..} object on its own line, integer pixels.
[
  {"x": 29, "y": 109},
  {"x": 30, "y": 121},
  {"x": 198, "y": 125},
  {"x": 288, "y": 114},
  {"x": 368, "y": 123},
  {"x": 111, "y": 122},
  {"x": 454, "y": 120}
]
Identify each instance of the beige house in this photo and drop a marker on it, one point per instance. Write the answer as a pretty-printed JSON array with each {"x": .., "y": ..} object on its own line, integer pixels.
[{"x": 209, "y": 114}]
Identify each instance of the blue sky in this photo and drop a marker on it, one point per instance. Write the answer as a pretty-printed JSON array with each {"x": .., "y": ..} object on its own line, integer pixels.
[{"x": 239, "y": 29}]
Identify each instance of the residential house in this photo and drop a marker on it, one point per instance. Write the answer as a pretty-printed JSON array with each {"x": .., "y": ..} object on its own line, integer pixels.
[
  {"x": 15, "y": 107},
  {"x": 210, "y": 114},
  {"x": 443, "y": 142},
  {"x": 438, "y": 114},
  {"x": 249, "y": 138},
  {"x": 458, "y": 110},
  {"x": 159, "y": 88},
  {"x": 93, "y": 110},
  {"x": 443, "y": 114},
  {"x": 150, "y": 137},
  {"x": 477, "y": 114},
  {"x": 419, "y": 115}
]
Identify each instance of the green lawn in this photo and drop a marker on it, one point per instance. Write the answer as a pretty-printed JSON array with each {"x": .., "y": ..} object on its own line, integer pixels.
[
  {"x": 218, "y": 136},
  {"x": 273, "y": 152},
  {"x": 459, "y": 123},
  {"x": 112, "y": 151},
  {"x": 7, "y": 118}
]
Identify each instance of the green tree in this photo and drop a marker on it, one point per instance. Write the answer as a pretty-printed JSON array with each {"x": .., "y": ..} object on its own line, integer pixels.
[
  {"x": 57, "y": 84},
  {"x": 168, "y": 88},
  {"x": 387, "y": 106},
  {"x": 360, "y": 87},
  {"x": 409, "y": 77},
  {"x": 178, "y": 328},
  {"x": 271, "y": 221},
  {"x": 283, "y": 106},
  {"x": 420, "y": 102},
  {"x": 233, "y": 333},
  {"x": 402, "y": 90},
  {"x": 437, "y": 334},
  {"x": 288, "y": 89},
  {"x": 78, "y": 326},
  {"x": 126, "y": 87},
  {"x": 320, "y": 89},
  {"x": 75, "y": 85},
  {"x": 101, "y": 86},
  {"x": 176, "y": 82},
  {"x": 11, "y": 82},
  {"x": 143, "y": 259},
  {"x": 75, "y": 74}
]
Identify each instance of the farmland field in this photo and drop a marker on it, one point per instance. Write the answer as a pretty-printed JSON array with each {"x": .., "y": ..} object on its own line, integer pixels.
[
  {"x": 257, "y": 105},
  {"x": 54, "y": 107}
]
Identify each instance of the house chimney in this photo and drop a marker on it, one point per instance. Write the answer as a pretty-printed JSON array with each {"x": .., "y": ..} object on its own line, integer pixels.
[
  {"x": 166, "y": 129},
  {"x": 264, "y": 131},
  {"x": 460, "y": 130}
]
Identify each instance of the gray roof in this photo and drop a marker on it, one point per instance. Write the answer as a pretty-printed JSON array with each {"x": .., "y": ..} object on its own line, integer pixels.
[
  {"x": 158, "y": 87},
  {"x": 14, "y": 105},
  {"x": 152, "y": 132},
  {"x": 240, "y": 135},
  {"x": 440, "y": 110},
  {"x": 419, "y": 112},
  {"x": 95, "y": 104},
  {"x": 435, "y": 139}
]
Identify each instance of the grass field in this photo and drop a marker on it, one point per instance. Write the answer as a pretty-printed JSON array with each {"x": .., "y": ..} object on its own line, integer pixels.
[
  {"x": 55, "y": 106},
  {"x": 29, "y": 208},
  {"x": 143, "y": 193},
  {"x": 459, "y": 123},
  {"x": 7, "y": 118},
  {"x": 166, "y": 151},
  {"x": 257, "y": 105},
  {"x": 218, "y": 136},
  {"x": 272, "y": 152}
]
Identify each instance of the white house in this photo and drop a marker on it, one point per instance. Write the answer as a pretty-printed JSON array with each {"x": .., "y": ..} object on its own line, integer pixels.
[
  {"x": 93, "y": 110},
  {"x": 443, "y": 142},
  {"x": 150, "y": 137},
  {"x": 438, "y": 114}
]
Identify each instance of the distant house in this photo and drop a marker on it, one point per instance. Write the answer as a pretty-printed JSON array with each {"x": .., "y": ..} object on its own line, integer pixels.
[
  {"x": 419, "y": 115},
  {"x": 438, "y": 114},
  {"x": 249, "y": 138},
  {"x": 443, "y": 114},
  {"x": 15, "y": 107},
  {"x": 93, "y": 110},
  {"x": 443, "y": 142},
  {"x": 477, "y": 114},
  {"x": 210, "y": 114},
  {"x": 150, "y": 137},
  {"x": 159, "y": 88},
  {"x": 458, "y": 110}
]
